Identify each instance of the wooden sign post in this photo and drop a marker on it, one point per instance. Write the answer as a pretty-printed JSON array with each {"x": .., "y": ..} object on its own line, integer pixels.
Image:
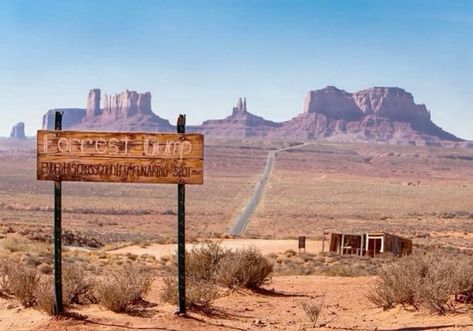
[{"x": 124, "y": 157}]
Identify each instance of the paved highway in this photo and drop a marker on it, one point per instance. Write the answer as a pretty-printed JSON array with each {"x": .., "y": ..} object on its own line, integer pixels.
[{"x": 244, "y": 218}]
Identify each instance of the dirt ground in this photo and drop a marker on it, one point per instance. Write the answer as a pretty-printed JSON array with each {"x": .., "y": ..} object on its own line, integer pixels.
[
  {"x": 278, "y": 307},
  {"x": 419, "y": 192},
  {"x": 265, "y": 246}
]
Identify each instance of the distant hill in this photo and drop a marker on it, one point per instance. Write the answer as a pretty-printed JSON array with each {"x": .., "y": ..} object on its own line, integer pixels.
[{"x": 378, "y": 114}]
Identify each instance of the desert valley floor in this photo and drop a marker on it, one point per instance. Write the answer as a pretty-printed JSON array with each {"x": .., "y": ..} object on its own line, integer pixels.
[{"x": 423, "y": 193}]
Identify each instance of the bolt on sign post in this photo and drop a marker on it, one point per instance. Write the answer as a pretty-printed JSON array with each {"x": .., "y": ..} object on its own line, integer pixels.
[{"x": 122, "y": 157}]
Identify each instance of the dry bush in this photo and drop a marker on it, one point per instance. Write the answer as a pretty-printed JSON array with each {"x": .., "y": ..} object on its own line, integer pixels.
[
  {"x": 202, "y": 263},
  {"x": 78, "y": 288},
  {"x": 199, "y": 293},
  {"x": 15, "y": 243},
  {"x": 431, "y": 280},
  {"x": 7, "y": 267},
  {"x": 246, "y": 267},
  {"x": 313, "y": 309},
  {"x": 23, "y": 282},
  {"x": 45, "y": 296},
  {"x": 124, "y": 287}
]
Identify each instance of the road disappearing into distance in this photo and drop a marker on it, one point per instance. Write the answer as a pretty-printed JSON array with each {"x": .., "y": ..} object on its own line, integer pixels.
[{"x": 244, "y": 218}]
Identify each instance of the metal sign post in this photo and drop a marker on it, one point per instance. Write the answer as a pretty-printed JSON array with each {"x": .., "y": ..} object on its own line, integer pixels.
[
  {"x": 58, "y": 306},
  {"x": 181, "y": 234},
  {"x": 124, "y": 157}
]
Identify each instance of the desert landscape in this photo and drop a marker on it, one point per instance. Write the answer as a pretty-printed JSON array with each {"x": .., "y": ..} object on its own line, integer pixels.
[
  {"x": 422, "y": 193},
  {"x": 236, "y": 165}
]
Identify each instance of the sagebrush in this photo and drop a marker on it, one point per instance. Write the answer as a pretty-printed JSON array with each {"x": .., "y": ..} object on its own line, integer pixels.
[{"x": 432, "y": 280}]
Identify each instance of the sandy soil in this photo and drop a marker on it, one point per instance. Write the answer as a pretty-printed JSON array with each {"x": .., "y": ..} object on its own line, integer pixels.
[
  {"x": 279, "y": 308},
  {"x": 265, "y": 246}
]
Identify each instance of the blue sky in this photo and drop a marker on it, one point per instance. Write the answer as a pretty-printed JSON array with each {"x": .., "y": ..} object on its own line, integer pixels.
[{"x": 197, "y": 57}]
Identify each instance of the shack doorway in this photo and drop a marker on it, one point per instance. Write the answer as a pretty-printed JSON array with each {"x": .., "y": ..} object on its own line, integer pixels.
[{"x": 375, "y": 246}]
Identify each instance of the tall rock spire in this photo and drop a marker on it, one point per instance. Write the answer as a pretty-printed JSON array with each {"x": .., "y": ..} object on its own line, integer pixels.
[{"x": 93, "y": 103}]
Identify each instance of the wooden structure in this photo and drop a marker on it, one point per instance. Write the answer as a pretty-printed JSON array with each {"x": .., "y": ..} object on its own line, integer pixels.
[
  {"x": 370, "y": 244},
  {"x": 125, "y": 157}
]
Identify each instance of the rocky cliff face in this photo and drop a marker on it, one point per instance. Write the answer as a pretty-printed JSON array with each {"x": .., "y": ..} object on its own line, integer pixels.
[
  {"x": 126, "y": 104},
  {"x": 378, "y": 114},
  {"x": 125, "y": 111},
  {"x": 18, "y": 131},
  {"x": 381, "y": 114}
]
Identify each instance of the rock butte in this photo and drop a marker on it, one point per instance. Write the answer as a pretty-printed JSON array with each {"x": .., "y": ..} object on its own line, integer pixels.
[
  {"x": 18, "y": 131},
  {"x": 378, "y": 114}
]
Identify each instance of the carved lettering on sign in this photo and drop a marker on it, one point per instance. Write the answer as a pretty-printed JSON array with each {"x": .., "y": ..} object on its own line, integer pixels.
[{"x": 120, "y": 157}]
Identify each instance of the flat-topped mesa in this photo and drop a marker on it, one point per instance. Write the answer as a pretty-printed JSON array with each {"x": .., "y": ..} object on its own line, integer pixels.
[
  {"x": 18, "y": 131},
  {"x": 333, "y": 103},
  {"x": 390, "y": 102},
  {"x": 387, "y": 102},
  {"x": 127, "y": 104}
]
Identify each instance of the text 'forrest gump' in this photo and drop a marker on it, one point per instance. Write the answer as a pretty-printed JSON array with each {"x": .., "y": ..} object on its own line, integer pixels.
[
  {"x": 120, "y": 157},
  {"x": 116, "y": 146}
]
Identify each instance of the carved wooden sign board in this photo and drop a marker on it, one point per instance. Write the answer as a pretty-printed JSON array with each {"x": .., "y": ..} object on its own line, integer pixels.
[{"x": 127, "y": 157}]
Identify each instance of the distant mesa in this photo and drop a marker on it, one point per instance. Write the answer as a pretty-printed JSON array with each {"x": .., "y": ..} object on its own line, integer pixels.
[
  {"x": 378, "y": 114},
  {"x": 18, "y": 131},
  {"x": 125, "y": 111}
]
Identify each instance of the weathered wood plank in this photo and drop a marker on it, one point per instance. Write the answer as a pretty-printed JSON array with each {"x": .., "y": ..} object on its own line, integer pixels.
[{"x": 133, "y": 157}]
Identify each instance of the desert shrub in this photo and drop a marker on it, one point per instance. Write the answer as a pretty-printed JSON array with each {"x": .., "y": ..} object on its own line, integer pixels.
[
  {"x": 23, "y": 282},
  {"x": 78, "y": 288},
  {"x": 246, "y": 267},
  {"x": 45, "y": 296},
  {"x": 313, "y": 309},
  {"x": 124, "y": 287},
  {"x": 431, "y": 280},
  {"x": 7, "y": 267},
  {"x": 203, "y": 261},
  {"x": 202, "y": 265},
  {"x": 15, "y": 243},
  {"x": 199, "y": 293}
]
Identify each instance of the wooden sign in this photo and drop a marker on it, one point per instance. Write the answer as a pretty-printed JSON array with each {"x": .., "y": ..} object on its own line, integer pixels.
[{"x": 129, "y": 157}]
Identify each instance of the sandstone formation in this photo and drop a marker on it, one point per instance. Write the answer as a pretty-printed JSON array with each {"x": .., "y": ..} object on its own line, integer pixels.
[
  {"x": 18, "y": 131},
  {"x": 125, "y": 111},
  {"x": 239, "y": 124},
  {"x": 378, "y": 114},
  {"x": 70, "y": 117}
]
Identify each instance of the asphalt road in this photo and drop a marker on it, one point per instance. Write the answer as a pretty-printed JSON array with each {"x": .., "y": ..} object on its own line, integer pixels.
[{"x": 244, "y": 218}]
